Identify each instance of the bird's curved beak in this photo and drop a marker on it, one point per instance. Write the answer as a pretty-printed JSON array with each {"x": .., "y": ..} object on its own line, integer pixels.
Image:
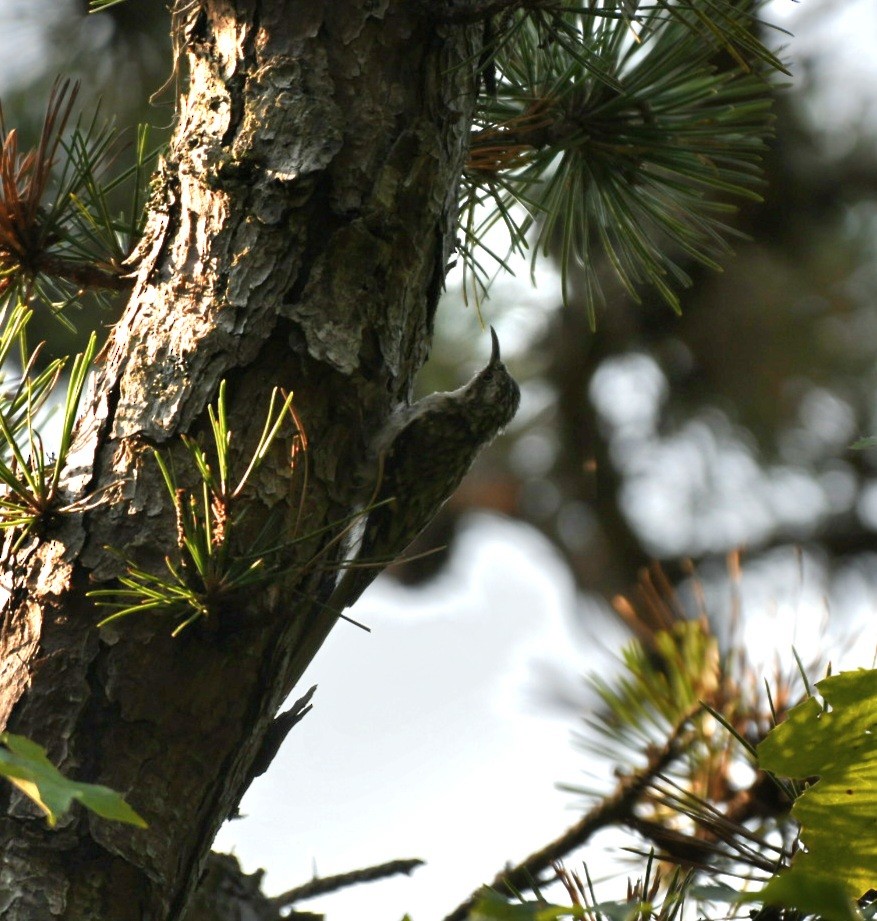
[{"x": 494, "y": 353}]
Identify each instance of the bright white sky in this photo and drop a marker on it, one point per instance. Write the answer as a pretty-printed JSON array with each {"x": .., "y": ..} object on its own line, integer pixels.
[{"x": 423, "y": 741}]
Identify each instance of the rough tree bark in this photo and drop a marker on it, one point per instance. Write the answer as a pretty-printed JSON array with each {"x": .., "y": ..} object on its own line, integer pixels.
[{"x": 299, "y": 228}]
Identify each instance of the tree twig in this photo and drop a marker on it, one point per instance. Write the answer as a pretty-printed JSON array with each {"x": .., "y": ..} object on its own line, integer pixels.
[
  {"x": 86, "y": 275},
  {"x": 317, "y": 886}
]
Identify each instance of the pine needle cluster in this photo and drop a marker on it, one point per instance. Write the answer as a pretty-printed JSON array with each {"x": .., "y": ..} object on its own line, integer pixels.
[
  {"x": 60, "y": 235},
  {"x": 616, "y": 134},
  {"x": 209, "y": 569}
]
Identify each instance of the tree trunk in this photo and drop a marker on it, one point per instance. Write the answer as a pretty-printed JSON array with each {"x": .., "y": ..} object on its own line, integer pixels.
[{"x": 299, "y": 228}]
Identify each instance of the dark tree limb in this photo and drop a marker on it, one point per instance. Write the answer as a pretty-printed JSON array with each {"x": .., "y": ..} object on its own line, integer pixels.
[
  {"x": 298, "y": 231},
  {"x": 226, "y": 893}
]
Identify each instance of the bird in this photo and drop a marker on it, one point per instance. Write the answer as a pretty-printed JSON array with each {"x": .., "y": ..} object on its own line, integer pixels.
[{"x": 422, "y": 454}]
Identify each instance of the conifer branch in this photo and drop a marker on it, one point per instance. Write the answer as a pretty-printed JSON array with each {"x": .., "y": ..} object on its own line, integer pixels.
[
  {"x": 615, "y": 809},
  {"x": 618, "y": 147},
  {"x": 85, "y": 275},
  {"x": 59, "y": 235}
]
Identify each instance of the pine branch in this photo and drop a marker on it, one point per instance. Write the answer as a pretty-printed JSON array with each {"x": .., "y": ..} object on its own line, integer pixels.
[
  {"x": 616, "y": 809},
  {"x": 85, "y": 275},
  {"x": 59, "y": 234},
  {"x": 690, "y": 850},
  {"x": 24, "y": 181},
  {"x": 616, "y": 144}
]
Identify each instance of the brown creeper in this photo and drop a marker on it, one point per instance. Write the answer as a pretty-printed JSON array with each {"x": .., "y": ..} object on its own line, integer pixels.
[{"x": 423, "y": 452}]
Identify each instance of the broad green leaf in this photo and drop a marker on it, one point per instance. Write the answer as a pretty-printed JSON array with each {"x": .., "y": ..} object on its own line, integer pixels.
[
  {"x": 25, "y": 764},
  {"x": 833, "y": 736},
  {"x": 810, "y": 894}
]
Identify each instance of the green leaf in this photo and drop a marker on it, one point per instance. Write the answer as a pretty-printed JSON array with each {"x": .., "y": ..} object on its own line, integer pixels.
[
  {"x": 492, "y": 905},
  {"x": 832, "y": 736},
  {"x": 810, "y": 895},
  {"x": 25, "y": 764}
]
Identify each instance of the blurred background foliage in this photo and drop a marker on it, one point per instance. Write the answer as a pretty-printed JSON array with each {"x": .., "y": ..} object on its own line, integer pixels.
[
  {"x": 664, "y": 437},
  {"x": 656, "y": 437}
]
